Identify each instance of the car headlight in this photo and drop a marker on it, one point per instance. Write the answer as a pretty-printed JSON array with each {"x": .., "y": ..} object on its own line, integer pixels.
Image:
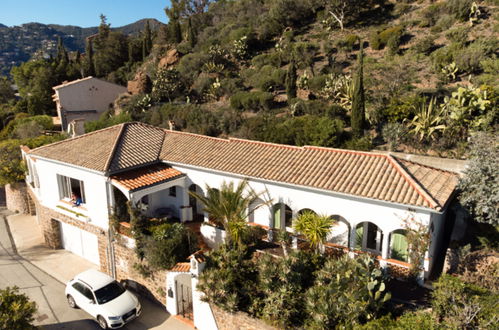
[{"x": 114, "y": 318}]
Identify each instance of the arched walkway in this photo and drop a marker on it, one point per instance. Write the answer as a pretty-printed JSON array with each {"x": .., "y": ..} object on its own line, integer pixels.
[
  {"x": 282, "y": 216},
  {"x": 399, "y": 248},
  {"x": 340, "y": 233},
  {"x": 256, "y": 211},
  {"x": 368, "y": 237}
]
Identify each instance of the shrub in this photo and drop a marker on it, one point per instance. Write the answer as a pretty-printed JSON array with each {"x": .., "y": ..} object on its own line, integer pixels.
[
  {"x": 393, "y": 134},
  {"x": 463, "y": 306},
  {"x": 374, "y": 40},
  {"x": 272, "y": 59},
  {"x": 346, "y": 291},
  {"x": 461, "y": 9},
  {"x": 392, "y": 32},
  {"x": 458, "y": 35},
  {"x": 228, "y": 279},
  {"x": 252, "y": 101},
  {"x": 348, "y": 43},
  {"x": 16, "y": 310},
  {"x": 443, "y": 23},
  {"x": 424, "y": 45},
  {"x": 191, "y": 65},
  {"x": 431, "y": 14},
  {"x": 169, "y": 244},
  {"x": 363, "y": 143}
]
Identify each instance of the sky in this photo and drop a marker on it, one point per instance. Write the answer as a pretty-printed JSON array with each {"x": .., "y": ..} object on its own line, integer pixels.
[{"x": 84, "y": 13}]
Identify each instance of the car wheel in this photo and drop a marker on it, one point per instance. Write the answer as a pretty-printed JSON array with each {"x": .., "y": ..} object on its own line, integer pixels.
[
  {"x": 102, "y": 322},
  {"x": 71, "y": 302}
]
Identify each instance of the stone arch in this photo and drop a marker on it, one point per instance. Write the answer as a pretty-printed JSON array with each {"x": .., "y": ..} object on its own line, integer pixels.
[
  {"x": 368, "y": 237},
  {"x": 399, "y": 247},
  {"x": 304, "y": 210},
  {"x": 256, "y": 210},
  {"x": 282, "y": 215},
  {"x": 340, "y": 232}
]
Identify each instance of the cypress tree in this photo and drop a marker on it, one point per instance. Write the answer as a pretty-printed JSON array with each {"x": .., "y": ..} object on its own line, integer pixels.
[
  {"x": 291, "y": 80},
  {"x": 147, "y": 39},
  {"x": 89, "y": 56},
  {"x": 190, "y": 33},
  {"x": 358, "y": 115},
  {"x": 176, "y": 31}
]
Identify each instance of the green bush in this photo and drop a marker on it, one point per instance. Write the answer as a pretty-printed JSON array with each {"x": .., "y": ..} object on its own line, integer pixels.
[
  {"x": 463, "y": 306},
  {"x": 458, "y": 35},
  {"x": 16, "y": 310},
  {"x": 346, "y": 292},
  {"x": 424, "y": 45},
  {"x": 348, "y": 43},
  {"x": 392, "y": 32},
  {"x": 461, "y": 9},
  {"x": 272, "y": 59},
  {"x": 443, "y": 23},
  {"x": 23, "y": 120},
  {"x": 168, "y": 244},
  {"x": 252, "y": 101},
  {"x": 374, "y": 40},
  {"x": 431, "y": 14},
  {"x": 191, "y": 65}
]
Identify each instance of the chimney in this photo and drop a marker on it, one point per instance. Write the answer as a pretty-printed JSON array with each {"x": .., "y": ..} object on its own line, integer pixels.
[
  {"x": 76, "y": 127},
  {"x": 171, "y": 124}
]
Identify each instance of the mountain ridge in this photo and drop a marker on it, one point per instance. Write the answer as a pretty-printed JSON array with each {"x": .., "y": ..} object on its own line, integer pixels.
[{"x": 20, "y": 42}]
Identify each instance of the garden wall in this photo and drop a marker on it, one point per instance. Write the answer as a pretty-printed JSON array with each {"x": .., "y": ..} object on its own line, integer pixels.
[
  {"x": 238, "y": 321},
  {"x": 153, "y": 285},
  {"x": 16, "y": 196}
]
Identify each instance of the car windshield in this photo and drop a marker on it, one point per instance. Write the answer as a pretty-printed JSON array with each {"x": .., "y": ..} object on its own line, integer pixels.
[{"x": 109, "y": 292}]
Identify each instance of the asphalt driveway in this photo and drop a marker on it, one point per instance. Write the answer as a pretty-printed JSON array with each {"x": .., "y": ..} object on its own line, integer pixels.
[{"x": 16, "y": 269}]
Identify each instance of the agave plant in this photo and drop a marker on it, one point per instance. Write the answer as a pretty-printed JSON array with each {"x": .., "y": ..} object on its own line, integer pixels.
[{"x": 428, "y": 121}]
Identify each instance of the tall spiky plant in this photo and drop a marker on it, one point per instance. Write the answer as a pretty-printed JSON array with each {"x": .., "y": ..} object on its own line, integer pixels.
[
  {"x": 229, "y": 207},
  {"x": 429, "y": 119},
  {"x": 314, "y": 227},
  {"x": 358, "y": 116}
]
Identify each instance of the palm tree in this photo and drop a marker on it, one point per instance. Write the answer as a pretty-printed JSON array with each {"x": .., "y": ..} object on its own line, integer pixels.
[
  {"x": 314, "y": 227},
  {"x": 229, "y": 207}
]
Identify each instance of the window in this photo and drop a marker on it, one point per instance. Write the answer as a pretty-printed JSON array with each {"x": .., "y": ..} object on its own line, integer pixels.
[
  {"x": 69, "y": 186},
  {"x": 399, "y": 246},
  {"x": 84, "y": 290},
  {"x": 173, "y": 191}
]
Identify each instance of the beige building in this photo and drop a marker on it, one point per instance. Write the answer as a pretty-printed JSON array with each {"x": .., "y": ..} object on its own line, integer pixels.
[{"x": 85, "y": 99}]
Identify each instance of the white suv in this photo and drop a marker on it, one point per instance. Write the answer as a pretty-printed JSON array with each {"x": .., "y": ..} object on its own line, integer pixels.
[{"x": 102, "y": 297}]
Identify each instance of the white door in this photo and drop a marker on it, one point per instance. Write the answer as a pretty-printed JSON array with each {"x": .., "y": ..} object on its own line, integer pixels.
[{"x": 80, "y": 242}]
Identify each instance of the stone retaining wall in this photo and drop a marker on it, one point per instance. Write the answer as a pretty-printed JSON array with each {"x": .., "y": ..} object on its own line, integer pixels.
[
  {"x": 17, "y": 197},
  {"x": 152, "y": 285},
  {"x": 238, "y": 321},
  {"x": 49, "y": 219}
]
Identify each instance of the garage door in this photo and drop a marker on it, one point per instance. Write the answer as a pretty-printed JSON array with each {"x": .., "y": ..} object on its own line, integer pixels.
[{"x": 80, "y": 242}]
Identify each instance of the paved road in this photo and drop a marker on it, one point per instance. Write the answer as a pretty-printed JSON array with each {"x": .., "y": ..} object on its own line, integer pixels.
[{"x": 48, "y": 293}]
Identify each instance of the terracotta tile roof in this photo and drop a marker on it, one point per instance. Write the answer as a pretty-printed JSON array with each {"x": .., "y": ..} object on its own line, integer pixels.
[
  {"x": 365, "y": 174},
  {"x": 91, "y": 150},
  {"x": 112, "y": 149},
  {"x": 146, "y": 176},
  {"x": 138, "y": 144},
  {"x": 181, "y": 267}
]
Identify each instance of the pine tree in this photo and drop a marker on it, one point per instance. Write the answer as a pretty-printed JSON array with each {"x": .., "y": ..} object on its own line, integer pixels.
[
  {"x": 291, "y": 80},
  {"x": 190, "y": 33},
  {"x": 176, "y": 31},
  {"x": 89, "y": 57},
  {"x": 358, "y": 115}
]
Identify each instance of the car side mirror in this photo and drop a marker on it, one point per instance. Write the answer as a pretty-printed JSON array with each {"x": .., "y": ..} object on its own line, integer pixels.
[{"x": 91, "y": 301}]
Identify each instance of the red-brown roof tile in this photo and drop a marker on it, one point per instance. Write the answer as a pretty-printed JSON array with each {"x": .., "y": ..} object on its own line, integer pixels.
[{"x": 146, "y": 176}]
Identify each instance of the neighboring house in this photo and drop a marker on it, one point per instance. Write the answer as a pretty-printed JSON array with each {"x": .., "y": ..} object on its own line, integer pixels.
[
  {"x": 370, "y": 194},
  {"x": 85, "y": 98}
]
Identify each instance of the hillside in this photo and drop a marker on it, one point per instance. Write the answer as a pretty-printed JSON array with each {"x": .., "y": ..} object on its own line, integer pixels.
[
  {"x": 19, "y": 43},
  {"x": 234, "y": 61}
]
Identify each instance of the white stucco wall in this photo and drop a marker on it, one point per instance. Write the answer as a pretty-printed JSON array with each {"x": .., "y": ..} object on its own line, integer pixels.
[
  {"x": 94, "y": 185},
  {"x": 387, "y": 216},
  {"x": 90, "y": 94}
]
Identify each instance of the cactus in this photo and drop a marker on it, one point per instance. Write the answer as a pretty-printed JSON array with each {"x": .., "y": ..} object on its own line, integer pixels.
[
  {"x": 474, "y": 13},
  {"x": 450, "y": 71}
]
